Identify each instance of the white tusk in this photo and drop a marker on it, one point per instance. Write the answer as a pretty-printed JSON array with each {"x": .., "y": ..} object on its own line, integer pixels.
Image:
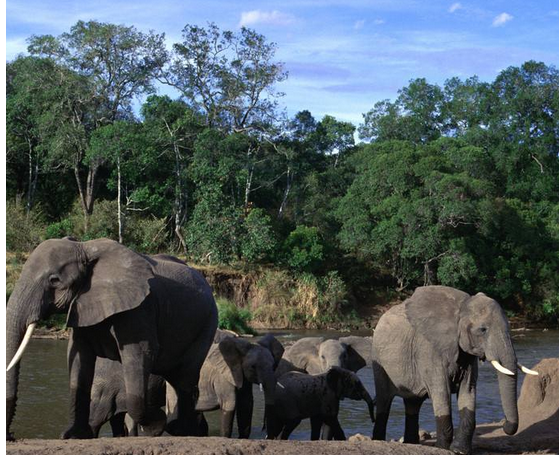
[
  {"x": 281, "y": 385},
  {"x": 261, "y": 388},
  {"x": 501, "y": 368},
  {"x": 22, "y": 346},
  {"x": 527, "y": 370}
]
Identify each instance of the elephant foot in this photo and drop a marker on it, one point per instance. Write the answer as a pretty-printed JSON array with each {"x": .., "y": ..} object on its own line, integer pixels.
[
  {"x": 461, "y": 446},
  {"x": 75, "y": 432},
  {"x": 10, "y": 437},
  {"x": 179, "y": 428}
]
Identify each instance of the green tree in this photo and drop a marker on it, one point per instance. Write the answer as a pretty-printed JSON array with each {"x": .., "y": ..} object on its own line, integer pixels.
[
  {"x": 229, "y": 76},
  {"x": 120, "y": 63}
]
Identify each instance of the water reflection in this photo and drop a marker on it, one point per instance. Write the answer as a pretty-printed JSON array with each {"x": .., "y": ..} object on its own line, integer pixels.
[{"x": 42, "y": 410}]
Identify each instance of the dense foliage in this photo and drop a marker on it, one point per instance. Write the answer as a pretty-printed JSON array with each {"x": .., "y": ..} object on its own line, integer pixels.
[{"x": 454, "y": 185}]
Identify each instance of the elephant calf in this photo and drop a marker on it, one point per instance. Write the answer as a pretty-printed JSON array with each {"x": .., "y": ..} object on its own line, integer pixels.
[{"x": 300, "y": 396}]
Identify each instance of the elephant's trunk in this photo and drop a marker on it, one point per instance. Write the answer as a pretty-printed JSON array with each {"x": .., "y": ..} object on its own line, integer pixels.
[
  {"x": 507, "y": 385},
  {"x": 270, "y": 419},
  {"x": 370, "y": 404},
  {"x": 19, "y": 315}
]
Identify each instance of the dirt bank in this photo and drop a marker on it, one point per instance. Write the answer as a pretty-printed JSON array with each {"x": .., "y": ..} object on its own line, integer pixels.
[{"x": 215, "y": 446}]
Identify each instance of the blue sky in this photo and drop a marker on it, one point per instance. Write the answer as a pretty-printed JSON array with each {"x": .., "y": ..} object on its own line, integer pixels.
[{"x": 342, "y": 55}]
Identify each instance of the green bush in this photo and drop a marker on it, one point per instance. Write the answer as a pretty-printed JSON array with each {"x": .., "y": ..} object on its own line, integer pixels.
[
  {"x": 24, "y": 231},
  {"x": 259, "y": 242},
  {"x": 60, "y": 229},
  {"x": 303, "y": 249},
  {"x": 233, "y": 318},
  {"x": 146, "y": 235}
]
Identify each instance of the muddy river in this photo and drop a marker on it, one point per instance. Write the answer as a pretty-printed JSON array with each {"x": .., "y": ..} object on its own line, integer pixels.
[{"x": 42, "y": 410}]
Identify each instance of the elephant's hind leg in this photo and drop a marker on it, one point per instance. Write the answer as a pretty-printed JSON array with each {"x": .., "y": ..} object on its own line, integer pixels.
[
  {"x": 384, "y": 397},
  {"x": 413, "y": 405},
  {"x": 288, "y": 428}
]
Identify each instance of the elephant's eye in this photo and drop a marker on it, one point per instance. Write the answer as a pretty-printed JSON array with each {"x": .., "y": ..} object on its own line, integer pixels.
[
  {"x": 54, "y": 280},
  {"x": 482, "y": 330}
]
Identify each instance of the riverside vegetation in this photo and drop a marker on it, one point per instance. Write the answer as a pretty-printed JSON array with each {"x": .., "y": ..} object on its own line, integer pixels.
[{"x": 455, "y": 184}]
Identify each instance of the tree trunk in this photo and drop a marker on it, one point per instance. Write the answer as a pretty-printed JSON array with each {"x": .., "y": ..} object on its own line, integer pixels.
[
  {"x": 119, "y": 209},
  {"x": 180, "y": 206},
  {"x": 288, "y": 184}
]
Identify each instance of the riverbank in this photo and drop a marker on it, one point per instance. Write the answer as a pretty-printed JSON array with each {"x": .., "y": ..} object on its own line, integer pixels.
[
  {"x": 485, "y": 443},
  {"x": 269, "y": 298}
]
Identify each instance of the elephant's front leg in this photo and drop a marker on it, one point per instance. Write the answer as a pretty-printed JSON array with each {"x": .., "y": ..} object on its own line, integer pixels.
[
  {"x": 227, "y": 418},
  {"x": 245, "y": 403},
  {"x": 467, "y": 409},
  {"x": 439, "y": 391},
  {"x": 81, "y": 366},
  {"x": 137, "y": 363}
]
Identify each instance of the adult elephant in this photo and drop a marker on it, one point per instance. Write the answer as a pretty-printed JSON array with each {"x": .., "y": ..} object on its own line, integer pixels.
[
  {"x": 153, "y": 314},
  {"x": 316, "y": 355},
  {"x": 428, "y": 346},
  {"x": 226, "y": 380}
]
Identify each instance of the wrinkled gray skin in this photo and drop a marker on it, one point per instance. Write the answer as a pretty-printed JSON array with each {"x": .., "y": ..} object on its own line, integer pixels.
[
  {"x": 429, "y": 346},
  {"x": 108, "y": 398},
  {"x": 231, "y": 368},
  {"x": 300, "y": 396},
  {"x": 108, "y": 401},
  {"x": 153, "y": 314},
  {"x": 316, "y": 355}
]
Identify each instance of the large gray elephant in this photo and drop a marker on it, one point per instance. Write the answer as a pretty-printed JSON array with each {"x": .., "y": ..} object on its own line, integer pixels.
[
  {"x": 226, "y": 380},
  {"x": 429, "y": 346},
  {"x": 301, "y": 396},
  {"x": 317, "y": 355},
  {"x": 153, "y": 314}
]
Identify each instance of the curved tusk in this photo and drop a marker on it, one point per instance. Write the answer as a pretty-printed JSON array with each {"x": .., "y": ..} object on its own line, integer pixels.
[
  {"x": 22, "y": 346},
  {"x": 501, "y": 368},
  {"x": 527, "y": 370}
]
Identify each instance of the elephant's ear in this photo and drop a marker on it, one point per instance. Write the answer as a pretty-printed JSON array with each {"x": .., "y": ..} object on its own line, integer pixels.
[
  {"x": 232, "y": 351},
  {"x": 359, "y": 352},
  {"x": 304, "y": 353},
  {"x": 433, "y": 313},
  {"x": 271, "y": 343},
  {"x": 117, "y": 280}
]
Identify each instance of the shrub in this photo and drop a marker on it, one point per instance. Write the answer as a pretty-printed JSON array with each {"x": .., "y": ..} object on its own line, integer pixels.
[
  {"x": 303, "y": 249},
  {"x": 146, "y": 235},
  {"x": 60, "y": 229},
  {"x": 233, "y": 318},
  {"x": 24, "y": 231},
  {"x": 258, "y": 242}
]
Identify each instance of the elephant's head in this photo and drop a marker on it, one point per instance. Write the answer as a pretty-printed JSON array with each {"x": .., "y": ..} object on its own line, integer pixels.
[
  {"x": 90, "y": 281},
  {"x": 346, "y": 384},
  {"x": 316, "y": 355},
  {"x": 254, "y": 363},
  {"x": 483, "y": 331}
]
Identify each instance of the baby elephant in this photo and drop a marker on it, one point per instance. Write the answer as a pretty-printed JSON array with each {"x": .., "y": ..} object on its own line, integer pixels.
[{"x": 300, "y": 396}]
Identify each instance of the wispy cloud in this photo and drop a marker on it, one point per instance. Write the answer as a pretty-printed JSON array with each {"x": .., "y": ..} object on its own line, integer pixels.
[
  {"x": 265, "y": 17},
  {"x": 359, "y": 24},
  {"x": 379, "y": 21},
  {"x": 502, "y": 19},
  {"x": 455, "y": 7}
]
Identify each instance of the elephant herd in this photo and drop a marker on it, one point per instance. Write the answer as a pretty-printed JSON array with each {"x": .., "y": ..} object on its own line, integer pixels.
[{"x": 144, "y": 336}]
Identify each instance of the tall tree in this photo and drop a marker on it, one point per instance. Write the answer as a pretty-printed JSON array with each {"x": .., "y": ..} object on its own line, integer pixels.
[
  {"x": 229, "y": 76},
  {"x": 121, "y": 63}
]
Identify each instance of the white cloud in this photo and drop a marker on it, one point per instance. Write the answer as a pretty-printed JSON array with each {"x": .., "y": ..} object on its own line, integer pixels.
[
  {"x": 265, "y": 17},
  {"x": 379, "y": 21},
  {"x": 359, "y": 24},
  {"x": 502, "y": 19},
  {"x": 455, "y": 7}
]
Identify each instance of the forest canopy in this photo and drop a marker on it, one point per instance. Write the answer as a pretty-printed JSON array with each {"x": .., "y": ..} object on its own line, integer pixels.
[{"x": 455, "y": 184}]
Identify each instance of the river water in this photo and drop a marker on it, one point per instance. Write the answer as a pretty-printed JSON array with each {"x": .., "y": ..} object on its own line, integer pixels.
[{"x": 42, "y": 410}]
